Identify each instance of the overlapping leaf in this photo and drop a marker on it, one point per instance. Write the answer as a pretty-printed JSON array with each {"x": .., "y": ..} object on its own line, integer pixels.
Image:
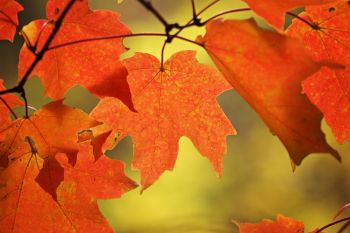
[
  {"x": 274, "y": 10},
  {"x": 266, "y": 69},
  {"x": 10, "y": 100},
  {"x": 43, "y": 167},
  {"x": 176, "y": 101},
  {"x": 93, "y": 64},
  {"x": 328, "y": 89},
  {"x": 8, "y": 18}
]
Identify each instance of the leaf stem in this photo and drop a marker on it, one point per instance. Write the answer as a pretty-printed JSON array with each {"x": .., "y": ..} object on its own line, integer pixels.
[
  {"x": 313, "y": 26},
  {"x": 8, "y": 107},
  {"x": 162, "y": 57}
]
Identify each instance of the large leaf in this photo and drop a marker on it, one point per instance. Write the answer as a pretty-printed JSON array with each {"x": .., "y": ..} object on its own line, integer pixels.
[
  {"x": 176, "y": 101},
  {"x": 266, "y": 69}
]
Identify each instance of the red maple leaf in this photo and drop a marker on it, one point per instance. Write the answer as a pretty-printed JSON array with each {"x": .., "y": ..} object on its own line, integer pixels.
[
  {"x": 174, "y": 102},
  {"x": 328, "y": 89},
  {"x": 92, "y": 64},
  {"x": 266, "y": 69},
  {"x": 8, "y": 18},
  {"x": 281, "y": 225},
  {"x": 274, "y": 10},
  {"x": 46, "y": 185}
]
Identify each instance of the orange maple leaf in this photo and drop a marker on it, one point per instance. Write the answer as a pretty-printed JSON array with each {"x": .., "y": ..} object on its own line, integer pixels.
[
  {"x": 178, "y": 101},
  {"x": 266, "y": 69},
  {"x": 50, "y": 181},
  {"x": 281, "y": 225},
  {"x": 93, "y": 64},
  {"x": 328, "y": 89},
  {"x": 8, "y": 19},
  {"x": 274, "y": 10}
]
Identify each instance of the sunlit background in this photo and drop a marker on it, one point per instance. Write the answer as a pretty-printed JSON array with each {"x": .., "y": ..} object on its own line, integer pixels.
[{"x": 257, "y": 180}]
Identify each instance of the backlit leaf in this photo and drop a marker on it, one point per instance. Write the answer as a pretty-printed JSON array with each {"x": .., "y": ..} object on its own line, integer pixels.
[
  {"x": 51, "y": 179},
  {"x": 281, "y": 225},
  {"x": 92, "y": 64},
  {"x": 178, "y": 101},
  {"x": 8, "y": 18},
  {"x": 328, "y": 89},
  {"x": 274, "y": 10},
  {"x": 266, "y": 69}
]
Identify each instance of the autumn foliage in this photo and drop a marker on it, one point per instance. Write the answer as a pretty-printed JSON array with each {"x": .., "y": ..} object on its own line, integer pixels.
[{"x": 53, "y": 163}]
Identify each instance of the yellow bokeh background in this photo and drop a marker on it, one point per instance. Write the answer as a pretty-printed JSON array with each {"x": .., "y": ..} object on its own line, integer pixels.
[{"x": 257, "y": 180}]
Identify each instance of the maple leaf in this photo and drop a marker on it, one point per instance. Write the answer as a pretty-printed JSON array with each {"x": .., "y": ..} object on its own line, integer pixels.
[
  {"x": 47, "y": 181},
  {"x": 92, "y": 64},
  {"x": 281, "y": 225},
  {"x": 52, "y": 129},
  {"x": 274, "y": 10},
  {"x": 180, "y": 100},
  {"x": 10, "y": 100},
  {"x": 26, "y": 207},
  {"x": 266, "y": 69},
  {"x": 8, "y": 18},
  {"x": 328, "y": 89}
]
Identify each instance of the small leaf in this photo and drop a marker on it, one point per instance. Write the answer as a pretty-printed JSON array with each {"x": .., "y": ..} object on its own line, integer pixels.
[
  {"x": 93, "y": 64},
  {"x": 8, "y": 19},
  {"x": 281, "y": 225}
]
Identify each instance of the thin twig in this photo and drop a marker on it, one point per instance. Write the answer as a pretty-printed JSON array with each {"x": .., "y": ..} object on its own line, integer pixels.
[
  {"x": 116, "y": 37},
  {"x": 332, "y": 224},
  {"x": 168, "y": 27},
  {"x": 225, "y": 13},
  {"x": 190, "y": 22},
  {"x": 148, "y": 5},
  {"x": 195, "y": 19},
  {"x": 8, "y": 107}
]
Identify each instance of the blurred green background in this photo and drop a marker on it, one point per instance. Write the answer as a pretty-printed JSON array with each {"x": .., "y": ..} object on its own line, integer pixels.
[{"x": 257, "y": 180}]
